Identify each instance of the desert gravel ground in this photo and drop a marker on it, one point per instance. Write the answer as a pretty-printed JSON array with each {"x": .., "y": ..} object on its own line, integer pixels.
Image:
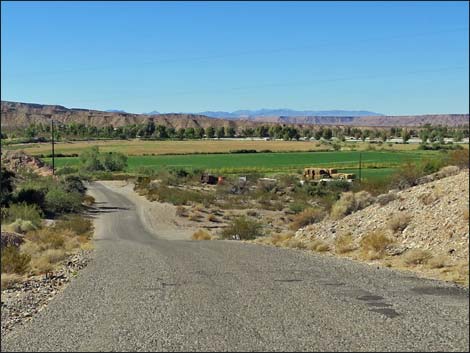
[{"x": 144, "y": 291}]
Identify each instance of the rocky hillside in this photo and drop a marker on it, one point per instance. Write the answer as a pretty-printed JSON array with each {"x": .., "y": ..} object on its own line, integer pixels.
[
  {"x": 432, "y": 216},
  {"x": 19, "y": 115},
  {"x": 18, "y": 160}
]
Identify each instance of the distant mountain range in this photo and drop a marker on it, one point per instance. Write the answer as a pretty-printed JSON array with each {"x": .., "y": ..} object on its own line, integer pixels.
[
  {"x": 286, "y": 112},
  {"x": 16, "y": 115}
]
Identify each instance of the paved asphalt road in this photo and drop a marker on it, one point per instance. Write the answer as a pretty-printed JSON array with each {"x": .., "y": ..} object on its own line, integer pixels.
[{"x": 141, "y": 293}]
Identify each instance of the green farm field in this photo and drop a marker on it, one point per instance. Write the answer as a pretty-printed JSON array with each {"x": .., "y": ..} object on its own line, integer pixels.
[{"x": 375, "y": 163}]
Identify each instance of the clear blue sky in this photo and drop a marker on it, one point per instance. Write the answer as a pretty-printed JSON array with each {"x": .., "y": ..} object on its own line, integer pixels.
[{"x": 388, "y": 57}]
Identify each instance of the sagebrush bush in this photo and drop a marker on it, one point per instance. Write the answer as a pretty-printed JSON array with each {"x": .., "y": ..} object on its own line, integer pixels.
[
  {"x": 21, "y": 226},
  {"x": 25, "y": 212},
  {"x": 13, "y": 261},
  {"x": 416, "y": 257},
  {"x": 306, "y": 217},
  {"x": 399, "y": 222},
  {"x": 244, "y": 228},
  {"x": 351, "y": 202},
  {"x": 201, "y": 235},
  {"x": 373, "y": 245}
]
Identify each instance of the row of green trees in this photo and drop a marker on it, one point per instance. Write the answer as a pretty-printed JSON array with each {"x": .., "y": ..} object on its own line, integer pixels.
[{"x": 150, "y": 130}]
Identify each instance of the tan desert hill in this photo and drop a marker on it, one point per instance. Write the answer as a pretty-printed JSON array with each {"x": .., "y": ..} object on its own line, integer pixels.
[{"x": 16, "y": 115}]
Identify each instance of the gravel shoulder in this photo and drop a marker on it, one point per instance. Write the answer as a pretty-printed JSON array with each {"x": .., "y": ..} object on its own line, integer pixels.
[{"x": 144, "y": 292}]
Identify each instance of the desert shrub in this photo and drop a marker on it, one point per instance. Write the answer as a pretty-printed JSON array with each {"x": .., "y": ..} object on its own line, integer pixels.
[
  {"x": 398, "y": 222},
  {"x": 53, "y": 255},
  {"x": 344, "y": 243},
  {"x": 318, "y": 245},
  {"x": 295, "y": 243},
  {"x": 351, "y": 202},
  {"x": 201, "y": 235},
  {"x": 9, "y": 279},
  {"x": 113, "y": 161},
  {"x": 21, "y": 226},
  {"x": 244, "y": 228},
  {"x": 73, "y": 183},
  {"x": 58, "y": 201},
  {"x": 460, "y": 158},
  {"x": 385, "y": 199},
  {"x": 278, "y": 239},
  {"x": 286, "y": 180},
  {"x": 66, "y": 170},
  {"x": 416, "y": 257},
  {"x": 47, "y": 238},
  {"x": 306, "y": 217},
  {"x": 30, "y": 248},
  {"x": 31, "y": 196},
  {"x": 374, "y": 186},
  {"x": 6, "y": 186},
  {"x": 373, "y": 245},
  {"x": 25, "y": 212},
  {"x": 146, "y": 171},
  {"x": 298, "y": 206},
  {"x": 13, "y": 261},
  {"x": 439, "y": 261},
  {"x": 77, "y": 224}
]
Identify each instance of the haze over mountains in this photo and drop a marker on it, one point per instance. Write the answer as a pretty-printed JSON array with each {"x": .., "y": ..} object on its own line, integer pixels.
[{"x": 15, "y": 115}]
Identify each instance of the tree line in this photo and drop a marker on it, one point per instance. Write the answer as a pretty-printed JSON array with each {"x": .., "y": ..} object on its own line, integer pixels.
[{"x": 150, "y": 130}]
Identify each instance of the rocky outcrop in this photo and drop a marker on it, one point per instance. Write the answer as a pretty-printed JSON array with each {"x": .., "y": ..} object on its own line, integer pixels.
[{"x": 19, "y": 160}]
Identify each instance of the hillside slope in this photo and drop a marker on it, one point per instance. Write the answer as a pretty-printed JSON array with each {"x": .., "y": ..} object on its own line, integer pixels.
[{"x": 437, "y": 211}]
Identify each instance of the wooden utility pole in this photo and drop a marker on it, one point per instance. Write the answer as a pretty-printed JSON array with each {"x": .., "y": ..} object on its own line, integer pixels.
[
  {"x": 52, "y": 140},
  {"x": 360, "y": 166}
]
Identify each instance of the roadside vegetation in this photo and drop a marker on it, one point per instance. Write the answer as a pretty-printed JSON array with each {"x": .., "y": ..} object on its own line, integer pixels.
[{"x": 42, "y": 223}]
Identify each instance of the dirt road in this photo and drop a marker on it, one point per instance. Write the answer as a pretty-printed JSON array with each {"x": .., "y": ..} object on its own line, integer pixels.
[{"x": 146, "y": 292}]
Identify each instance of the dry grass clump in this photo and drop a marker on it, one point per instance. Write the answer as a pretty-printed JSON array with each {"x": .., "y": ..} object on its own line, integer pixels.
[
  {"x": 9, "y": 279},
  {"x": 416, "y": 257},
  {"x": 318, "y": 245},
  {"x": 279, "y": 239},
  {"x": 13, "y": 261},
  {"x": 439, "y": 261},
  {"x": 351, "y": 202},
  {"x": 252, "y": 213},
  {"x": 77, "y": 224},
  {"x": 201, "y": 235},
  {"x": 344, "y": 243},
  {"x": 295, "y": 243},
  {"x": 373, "y": 245},
  {"x": 306, "y": 217},
  {"x": 399, "y": 222}
]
